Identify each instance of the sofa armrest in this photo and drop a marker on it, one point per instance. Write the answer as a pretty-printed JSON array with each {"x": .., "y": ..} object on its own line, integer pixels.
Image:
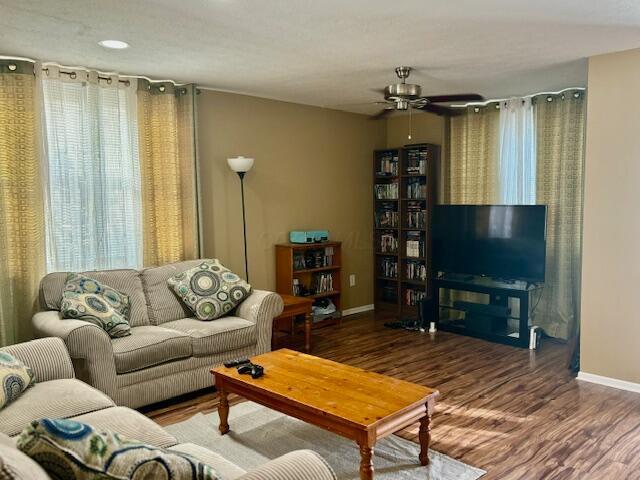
[
  {"x": 261, "y": 307},
  {"x": 89, "y": 347},
  {"x": 298, "y": 465},
  {"x": 47, "y": 357}
]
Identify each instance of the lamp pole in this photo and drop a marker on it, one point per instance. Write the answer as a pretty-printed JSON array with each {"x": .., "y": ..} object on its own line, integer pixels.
[{"x": 244, "y": 226}]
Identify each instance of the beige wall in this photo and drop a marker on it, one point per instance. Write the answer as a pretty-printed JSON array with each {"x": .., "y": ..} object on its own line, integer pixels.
[
  {"x": 312, "y": 171},
  {"x": 610, "y": 326},
  {"x": 425, "y": 128}
]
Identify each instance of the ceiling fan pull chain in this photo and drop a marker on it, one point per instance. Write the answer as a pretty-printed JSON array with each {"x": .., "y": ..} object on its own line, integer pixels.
[{"x": 409, "y": 137}]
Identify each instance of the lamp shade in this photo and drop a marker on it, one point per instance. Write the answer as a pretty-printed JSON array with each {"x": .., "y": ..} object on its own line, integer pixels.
[{"x": 240, "y": 164}]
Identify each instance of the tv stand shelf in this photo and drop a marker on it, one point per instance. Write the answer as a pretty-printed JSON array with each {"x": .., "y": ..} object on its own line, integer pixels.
[{"x": 490, "y": 320}]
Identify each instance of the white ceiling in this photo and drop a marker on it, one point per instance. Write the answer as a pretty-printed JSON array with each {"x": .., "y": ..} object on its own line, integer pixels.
[{"x": 329, "y": 52}]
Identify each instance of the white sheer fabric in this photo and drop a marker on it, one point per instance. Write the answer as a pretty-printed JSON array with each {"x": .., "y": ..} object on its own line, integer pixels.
[
  {"x": 92, "y": 199},
  {"x": 517, "y": 152}
]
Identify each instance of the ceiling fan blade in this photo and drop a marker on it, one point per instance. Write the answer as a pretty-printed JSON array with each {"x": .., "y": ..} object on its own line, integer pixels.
[
  {"x": 373, "y": 102},
  {"x": 378, "y": 90},
  {"x": 440, "y": 110},
  {"x": 463, "y": 97},
  {"x": 382, "y": 114}
]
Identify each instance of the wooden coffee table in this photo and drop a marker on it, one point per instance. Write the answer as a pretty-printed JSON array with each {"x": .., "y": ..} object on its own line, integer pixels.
[{"x": 360, "y": 405}]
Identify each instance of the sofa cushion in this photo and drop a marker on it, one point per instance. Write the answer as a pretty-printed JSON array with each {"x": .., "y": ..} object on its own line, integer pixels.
[
  {"x": 70, "y": 449},
  {"x": 226, "y": 469},
  {"x": 129, "y": 423},
  {"x": 15, "y": 465},
  {"x": 163, "y": 304},
  {"x": 56, "y": 398},
  {"x": 210, "y": 289},
  {"x": 15, "y": 378},
  {"x": 148, "y": 346},
  {"x": 124, "y": 281},
  {"x": 219, "y": 336}
]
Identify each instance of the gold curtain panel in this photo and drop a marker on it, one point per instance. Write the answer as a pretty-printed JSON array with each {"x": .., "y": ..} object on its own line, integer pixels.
[
  {"x": 560, "y": 127},
  {"x": 471, "y": 176},
  {"x": 168, "y": 174},
  {"x": 21, "y": 212}
]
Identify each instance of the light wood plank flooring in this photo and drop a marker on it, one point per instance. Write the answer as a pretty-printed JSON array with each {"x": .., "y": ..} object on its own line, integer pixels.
[{"x": 515, "y": 413}]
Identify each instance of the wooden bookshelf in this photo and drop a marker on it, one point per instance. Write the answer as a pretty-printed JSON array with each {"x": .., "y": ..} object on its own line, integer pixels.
[
  {"x": 412, "y": 200},
  {"x": 288, "y": 270}
]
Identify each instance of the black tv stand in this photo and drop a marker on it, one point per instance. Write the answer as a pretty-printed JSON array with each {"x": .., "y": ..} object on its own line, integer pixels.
[{"x": 491, "y": 317}]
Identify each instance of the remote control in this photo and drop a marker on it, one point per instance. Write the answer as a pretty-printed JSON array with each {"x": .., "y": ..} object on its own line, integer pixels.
[
  {"x": 236, "y": 362},
  {"x": 256, "y": 371}
]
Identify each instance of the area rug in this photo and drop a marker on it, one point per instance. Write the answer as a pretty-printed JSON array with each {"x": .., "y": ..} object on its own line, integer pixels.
[{"x": 259, "y": 434}]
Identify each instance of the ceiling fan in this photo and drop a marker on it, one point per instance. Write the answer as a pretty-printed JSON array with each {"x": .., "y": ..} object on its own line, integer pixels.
[{"x": 403, "y": 96}]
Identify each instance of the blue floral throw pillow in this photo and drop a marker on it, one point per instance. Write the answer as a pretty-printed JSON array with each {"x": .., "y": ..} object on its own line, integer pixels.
[
  {"x": 78, "y": 283},
  {"x": 210, "y": 289},
  {"x": 15, "y": 376},
  {"x": 70, "y": 450},
  {"x": 89, "y": 300}
]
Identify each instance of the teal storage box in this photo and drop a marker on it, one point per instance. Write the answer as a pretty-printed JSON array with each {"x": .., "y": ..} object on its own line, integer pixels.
[{"x": 309, "y": 236}]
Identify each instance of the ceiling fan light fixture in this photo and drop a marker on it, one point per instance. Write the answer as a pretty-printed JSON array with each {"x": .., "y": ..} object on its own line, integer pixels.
[
  {"x": 402, "y": 104},
  {"x": 402, "y": 91},
  {"x": 404, "y": 96}
]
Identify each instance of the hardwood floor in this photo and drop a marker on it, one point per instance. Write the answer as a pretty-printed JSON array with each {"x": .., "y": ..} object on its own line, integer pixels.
[{"x": 515, "y": 413}]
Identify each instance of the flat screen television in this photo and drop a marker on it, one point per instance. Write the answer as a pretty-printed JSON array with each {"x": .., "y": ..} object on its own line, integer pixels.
[{"x": 501, "y": 241}]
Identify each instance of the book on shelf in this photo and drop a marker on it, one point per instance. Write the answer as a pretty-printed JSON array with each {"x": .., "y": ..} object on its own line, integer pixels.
[
  {"x": 416, "y": 162},
  {"x": 387, "y": 215},
  {"x": 313, "y": 258},
  {"x": 413, "y": 296},
  {"x": 388, "y": 293},
  {"x": 388, "y": 164},
  {"x": 388, "y": 243},
  {"x": 416, "y": 188},
  {"x": 415, "y": 244},
  {"x": 389, "y": 267},
  {"x": 386, "y": 191},
  {"x": 416, "y": 270},
  {"x": 328, "y": 257},
  {"x": 323, "y": 282},
  {"x": 416, "y": 215}
]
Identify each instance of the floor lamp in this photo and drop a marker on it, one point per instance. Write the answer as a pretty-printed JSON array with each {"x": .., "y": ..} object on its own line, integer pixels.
[{"x": 242, "y": 165}]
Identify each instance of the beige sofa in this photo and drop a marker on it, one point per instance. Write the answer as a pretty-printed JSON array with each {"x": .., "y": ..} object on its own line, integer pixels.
[
  {"x": 168, "y": 353},
  {"x": 57, "y": 394}
]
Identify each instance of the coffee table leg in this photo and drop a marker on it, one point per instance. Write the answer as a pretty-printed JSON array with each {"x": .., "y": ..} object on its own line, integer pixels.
[
  {"x": 425, "y": 438},
  {"x": 307, "y": 332},
  {"x": 223, "y": 411},
  {"x": 366, "y": 462}
]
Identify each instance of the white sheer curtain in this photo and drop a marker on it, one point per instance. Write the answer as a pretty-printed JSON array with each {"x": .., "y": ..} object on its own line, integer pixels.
[
  {"x": 92, "y": 184},
  {"x": 517, "y": 152}
]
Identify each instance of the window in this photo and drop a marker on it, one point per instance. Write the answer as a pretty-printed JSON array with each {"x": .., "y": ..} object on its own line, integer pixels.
[{"x": 93, "y": 197}]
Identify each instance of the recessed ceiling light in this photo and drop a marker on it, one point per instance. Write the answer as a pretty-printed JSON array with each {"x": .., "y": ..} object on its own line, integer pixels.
[{"x": 117, "y": 44}]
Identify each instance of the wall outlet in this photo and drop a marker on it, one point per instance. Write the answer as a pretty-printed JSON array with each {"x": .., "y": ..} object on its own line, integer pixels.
[{"x": 352, "y": 280}]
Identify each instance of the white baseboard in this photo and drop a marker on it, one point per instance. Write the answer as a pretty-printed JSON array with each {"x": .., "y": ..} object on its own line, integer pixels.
[
  {"x": 609, "y": 382},
  {"x": 354, "y": 310}
]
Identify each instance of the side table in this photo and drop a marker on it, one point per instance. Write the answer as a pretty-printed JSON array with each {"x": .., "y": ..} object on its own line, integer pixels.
[{"x": 294, "y": 308}]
